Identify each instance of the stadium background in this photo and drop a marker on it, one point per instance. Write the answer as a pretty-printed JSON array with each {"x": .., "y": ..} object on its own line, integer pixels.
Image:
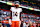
[{"x": 6, "y": 7}]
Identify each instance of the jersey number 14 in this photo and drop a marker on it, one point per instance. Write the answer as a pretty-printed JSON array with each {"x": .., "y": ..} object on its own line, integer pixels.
[{"x": 15, "y": 14}]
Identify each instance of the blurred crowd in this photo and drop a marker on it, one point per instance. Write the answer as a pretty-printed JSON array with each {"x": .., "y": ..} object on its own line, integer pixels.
[
  {"x": 30, "y": 20},
  {"x": 27, "y": 20},
  {"x": 4, "y": 14},
  {"x": 4, "y": 17},
  {"x": 30, "y": 5}
]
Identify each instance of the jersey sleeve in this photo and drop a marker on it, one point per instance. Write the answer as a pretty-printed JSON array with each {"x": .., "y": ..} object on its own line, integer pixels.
[
  {"x": 21, "y": 9},
  {"x": 11, "y": 8}
]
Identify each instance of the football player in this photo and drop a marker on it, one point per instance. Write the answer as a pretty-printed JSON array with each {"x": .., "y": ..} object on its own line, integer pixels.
[{"x": 15, "y": 15}]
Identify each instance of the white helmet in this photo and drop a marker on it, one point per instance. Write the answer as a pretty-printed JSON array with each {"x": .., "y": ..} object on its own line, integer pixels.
[{"x": 16, "y": 2}]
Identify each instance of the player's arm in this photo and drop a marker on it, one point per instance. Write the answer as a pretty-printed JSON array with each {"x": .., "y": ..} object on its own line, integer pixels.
[
  {"x": 11, "y": 15},
  {"x": 21, "y": 12}
]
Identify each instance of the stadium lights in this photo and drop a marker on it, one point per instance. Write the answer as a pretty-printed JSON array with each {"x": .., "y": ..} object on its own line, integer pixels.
[{"x": 12, "y": 4}]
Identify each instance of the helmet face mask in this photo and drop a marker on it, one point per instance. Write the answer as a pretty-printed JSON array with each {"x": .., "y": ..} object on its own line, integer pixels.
[{"x": 16, "y": 5}]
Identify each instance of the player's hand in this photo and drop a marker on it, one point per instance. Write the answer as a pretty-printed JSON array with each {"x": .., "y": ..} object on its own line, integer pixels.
[
  {"x": 10, "y": 21},
  {"x": 20, "y": 22}
]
